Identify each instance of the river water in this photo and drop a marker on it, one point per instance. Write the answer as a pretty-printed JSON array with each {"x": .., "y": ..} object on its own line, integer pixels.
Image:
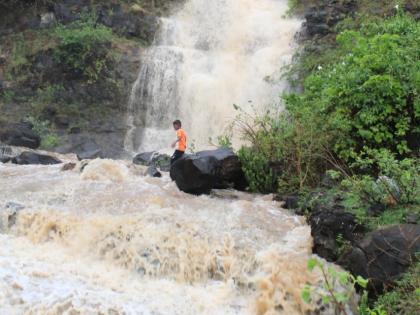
[{"x": 112, "y": 241}]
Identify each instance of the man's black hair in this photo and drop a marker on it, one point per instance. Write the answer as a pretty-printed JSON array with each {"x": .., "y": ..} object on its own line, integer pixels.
[{"x": 177, "y": 122}]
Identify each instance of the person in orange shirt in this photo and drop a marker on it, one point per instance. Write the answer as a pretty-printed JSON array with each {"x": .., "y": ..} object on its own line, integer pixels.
[{"x": 180, "y": 143}]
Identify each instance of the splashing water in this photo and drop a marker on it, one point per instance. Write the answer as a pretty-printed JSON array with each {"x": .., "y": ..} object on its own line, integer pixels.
[
  {"x": 111, "y": 241},
  {"x": 207, "y": 57}
]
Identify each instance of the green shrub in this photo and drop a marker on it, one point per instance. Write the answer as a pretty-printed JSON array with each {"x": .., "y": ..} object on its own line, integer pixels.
[
  {"x": 43, "y": 129},
  {"x": 287, "y": 152},
  {"x": 370, "y": 99},
  {"x": 338, "y": 287},
  {"x": 84, "y": 47}
]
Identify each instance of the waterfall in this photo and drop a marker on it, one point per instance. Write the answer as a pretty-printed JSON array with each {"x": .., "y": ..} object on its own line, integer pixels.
[{"x": 206, "y": 57}]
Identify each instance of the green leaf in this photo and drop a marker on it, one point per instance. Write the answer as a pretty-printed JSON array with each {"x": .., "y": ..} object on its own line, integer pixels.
[
  {"x": 312, "y": 263},
  {"x": 362, "y": 281},
  {"x": 326, "y": 299},
  {"x": 306, "y": 294}
]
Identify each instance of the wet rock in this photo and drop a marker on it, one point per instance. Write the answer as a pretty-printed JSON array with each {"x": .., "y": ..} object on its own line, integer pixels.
[
  {"x": 144, "y": 158},
  {"x": 383, "y": 255},
  {"x": 154, "y": 158},
  {"x": 28, "y": 157},
  {"x": 291, "y": 201},
  {"x": 412, "y": 218},
  {"x": 321, "y": 19},
  {"x": 19, "y": 134},
  {"x": 6, "y": 153},
  {"x": 153, "y": 172},
  {"x": 327, "y": 227},
  {"x": 216, "y": 169},
  {"x": 12, "y": 209},
  {"x": 83, "y": 146},
  {"x": 130, "y": 24},
  {"x": 68, "y": 167}
]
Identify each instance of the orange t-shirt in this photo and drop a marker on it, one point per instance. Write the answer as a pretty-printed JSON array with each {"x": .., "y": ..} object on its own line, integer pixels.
[{"x": 182, "y": 137}]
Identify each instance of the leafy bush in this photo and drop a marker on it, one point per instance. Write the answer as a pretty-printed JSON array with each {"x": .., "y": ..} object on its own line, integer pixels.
[
  {"x": 49, "y": 140},
  {"x": 370, "y": 99},
  {"x": 84, "y": 47},
  {"x": 287, "y": 152},
  {"x": 338, "y": 287}
]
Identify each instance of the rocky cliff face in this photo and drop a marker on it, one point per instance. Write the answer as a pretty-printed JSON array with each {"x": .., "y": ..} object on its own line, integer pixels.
[{"x": 72, "y": 108}]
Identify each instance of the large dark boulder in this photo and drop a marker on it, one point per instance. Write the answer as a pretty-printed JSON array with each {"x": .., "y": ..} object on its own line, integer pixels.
[
  {"x": 327, "y": 227},
  {"x": 383, "y": 255},
  {"x": 19, "y": 134},
  {"x": 28, "y": 157},
  {"x": 199, "y": 173}
]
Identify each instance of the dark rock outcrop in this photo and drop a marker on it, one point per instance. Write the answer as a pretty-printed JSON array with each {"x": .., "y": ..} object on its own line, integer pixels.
[
  {"x": 153, "y": 158},
  {"x": 216, "y": 169},
  {"x": 321, "y": 19},
  {"x": 83, "y": 146},
  {"x": 28, "y": 157},
  {"x": 383, "y": 255},
  {"x": 327, "y": 227},
  {"x": 19, "y": 134},
  {"x": 291, "y": 201},
  {"x": 68, "y": 166}
]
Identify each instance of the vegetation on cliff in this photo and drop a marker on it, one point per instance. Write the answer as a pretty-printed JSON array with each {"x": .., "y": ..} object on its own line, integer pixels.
[
  {"x": 66, "y": 67},
  {"x": 348, "y": 141}
]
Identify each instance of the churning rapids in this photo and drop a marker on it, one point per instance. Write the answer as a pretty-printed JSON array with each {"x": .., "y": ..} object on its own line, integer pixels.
[
  {"x": 108, "y": 240},
  {"x": 111, "y": 241}
]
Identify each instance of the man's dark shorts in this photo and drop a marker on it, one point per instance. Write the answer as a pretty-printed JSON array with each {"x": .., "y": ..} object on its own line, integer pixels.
[{"x": 177, "y": 154}]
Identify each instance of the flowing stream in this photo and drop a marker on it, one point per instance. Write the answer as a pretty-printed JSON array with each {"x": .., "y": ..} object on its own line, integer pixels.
[
  {"x": 208, "y": 56},
  {"x": 104, "y": 239},
  {"x": 110, "y": 241}
]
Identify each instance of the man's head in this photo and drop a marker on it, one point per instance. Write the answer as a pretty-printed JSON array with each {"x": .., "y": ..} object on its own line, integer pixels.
[{"x": 177, "y": 124}]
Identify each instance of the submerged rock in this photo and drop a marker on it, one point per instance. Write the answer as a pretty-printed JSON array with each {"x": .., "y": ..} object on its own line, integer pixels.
[
  {"x": 153, "y": 172},
  {"x": 28, "y": 157},
  {"x": 216, "y": 169},
  {"x": 19, "y": 134},
  {"x": 383, "y": 255},
  {"x": 9, "y": 214}
]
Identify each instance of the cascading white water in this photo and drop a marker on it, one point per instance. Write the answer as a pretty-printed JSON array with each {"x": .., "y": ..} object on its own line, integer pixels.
[{"x": 208, "y": 56}]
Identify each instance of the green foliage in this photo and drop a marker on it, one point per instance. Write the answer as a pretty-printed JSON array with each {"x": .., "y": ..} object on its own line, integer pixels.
[
  {"x": 287, "y": 152},
  {"x": 369, "y": 99},
  {"x": 404, "y": 299},
  {"x": 18, "y": 58},
  {"x": 8, "y": 96},
  {"x": 338, "y": 286},
  {"x": 257, "y": 171},
  {"x": 43, "y": 129},
  {"x": 84, "y": 47}
]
